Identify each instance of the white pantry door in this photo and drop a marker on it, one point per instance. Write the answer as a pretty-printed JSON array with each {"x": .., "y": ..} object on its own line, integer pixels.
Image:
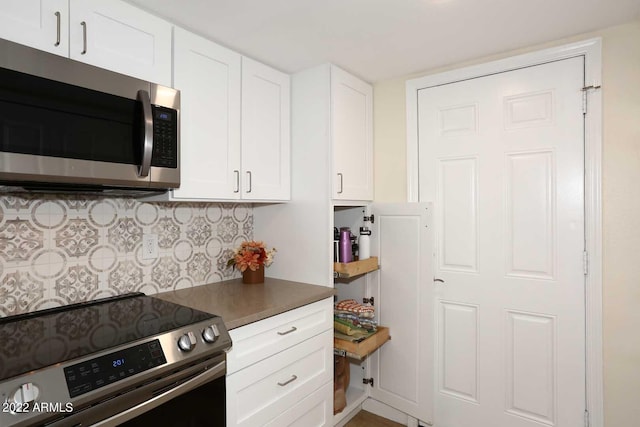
[{"x": 502, "y": 157}]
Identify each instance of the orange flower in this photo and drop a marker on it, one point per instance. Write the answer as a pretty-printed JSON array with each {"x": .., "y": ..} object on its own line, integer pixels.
[{"x": 251, "y": 255}]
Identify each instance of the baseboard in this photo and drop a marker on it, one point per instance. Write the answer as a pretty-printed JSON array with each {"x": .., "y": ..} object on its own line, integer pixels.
[
  {"x": 347, "y": 418},
  {"x": 386, "y": 411}
]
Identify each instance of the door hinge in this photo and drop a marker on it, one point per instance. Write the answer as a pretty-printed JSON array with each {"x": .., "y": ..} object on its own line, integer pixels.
[
  {"x": 585, "y": 90},
  {"x": 368, "y": 381},
  {"x": 368, "y": 301},
  {"x": 586, "y": 418},
  {"x": 585, "y": 262}
]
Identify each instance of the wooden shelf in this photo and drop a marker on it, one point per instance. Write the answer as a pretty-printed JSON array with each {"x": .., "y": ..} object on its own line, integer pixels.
[
  {"x": 355, "y": 268},
  {"x": 360, "y": 350}
]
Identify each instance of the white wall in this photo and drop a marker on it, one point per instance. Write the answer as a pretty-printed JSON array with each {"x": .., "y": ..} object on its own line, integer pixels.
[{"x": 621, "y": 200}]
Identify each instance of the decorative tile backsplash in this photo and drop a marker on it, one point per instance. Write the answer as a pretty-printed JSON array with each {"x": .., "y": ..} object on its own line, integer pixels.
[{"x": 57, "y": 250}]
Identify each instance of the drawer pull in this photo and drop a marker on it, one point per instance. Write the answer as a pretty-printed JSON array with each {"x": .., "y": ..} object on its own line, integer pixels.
[
  {"x": 290, "y": 380},
  {"x": 84, "y": 38},
  {"x": 293, "y": 329},
  {"x": 57, "y": 43}
]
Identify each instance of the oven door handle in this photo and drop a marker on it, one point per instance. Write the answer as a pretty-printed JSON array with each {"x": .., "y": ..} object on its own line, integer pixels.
[{"x": 208, "y": 375}]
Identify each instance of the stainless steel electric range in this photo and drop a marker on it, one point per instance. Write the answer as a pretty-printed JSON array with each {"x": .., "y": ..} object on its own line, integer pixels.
[{"x": 127, "y": 360}]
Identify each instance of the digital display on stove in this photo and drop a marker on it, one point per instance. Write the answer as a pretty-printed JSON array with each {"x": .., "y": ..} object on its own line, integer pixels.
[{"x": 110, "y": 368}]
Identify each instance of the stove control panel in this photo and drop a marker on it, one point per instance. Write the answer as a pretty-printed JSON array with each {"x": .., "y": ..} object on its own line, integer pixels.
[{"x": 104, "y": 370}]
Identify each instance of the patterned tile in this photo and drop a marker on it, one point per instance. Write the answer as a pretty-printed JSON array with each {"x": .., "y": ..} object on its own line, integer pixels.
[
  {"x": 77, "y": 285},
  {"x": 57, "y": 250},
  {"x": 20, "y": 292},
  {"x": 165, "y": 272},
  {"x": 125, "y": 234},
  {"x": 19, "y": 239},
  {"x": 221, "y": 263},
  {"x": 199, "y": 267},
  {"x": 77, "y": 237},
  {"x": 199, "y": 231},
  {"x": 247, "y": 228},
  {"x": 227, "y": 229},
  {"x": 15, "y": 203},
  {"x": 168, "y": 233},
  {"x": 126, "y": 277},
  {"x": 76, "y": 204}
]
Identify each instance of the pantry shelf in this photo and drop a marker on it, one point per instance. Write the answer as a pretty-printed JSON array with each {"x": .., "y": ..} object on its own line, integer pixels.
[
  {"x": 360, "y": 350},
  {"x": 356, "y": 268}
]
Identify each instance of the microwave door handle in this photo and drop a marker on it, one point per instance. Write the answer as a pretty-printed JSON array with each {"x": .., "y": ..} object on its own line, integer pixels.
[{"x": 147, "y": 119}]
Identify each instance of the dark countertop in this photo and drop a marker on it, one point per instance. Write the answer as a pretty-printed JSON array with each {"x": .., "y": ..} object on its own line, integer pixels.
[{"x": 239, "y": 304}]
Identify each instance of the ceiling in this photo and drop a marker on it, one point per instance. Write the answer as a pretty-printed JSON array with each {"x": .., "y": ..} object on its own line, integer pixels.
[{"x": 382, "y": 39}]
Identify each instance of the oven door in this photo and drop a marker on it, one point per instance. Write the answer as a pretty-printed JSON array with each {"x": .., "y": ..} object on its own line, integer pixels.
[{"x": 194, "y": 396}]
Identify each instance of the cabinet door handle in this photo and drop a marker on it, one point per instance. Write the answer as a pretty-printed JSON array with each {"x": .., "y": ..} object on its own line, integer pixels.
[
  {"x": 340, "y": 191},
  {"x": 237, "y": 172},
  {"x": 438, "y": 280},
  {"x": 293, "y": 329},
  {"x": 57, "y": 29},
  {"x": 249, "y": 174},
  {"x": 290, "y": 380},
  {"x": 84, "y": 38}
]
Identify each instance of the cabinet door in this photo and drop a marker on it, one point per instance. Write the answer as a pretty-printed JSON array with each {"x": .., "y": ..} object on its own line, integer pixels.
[
  {"x": 40, "y": 24},
  {"x": 403, "y": 368},
  {"x": 266, "y": 147},
  {"x": 208, "y": 77},
  {"x": 119, "y": 37},
  {"x": 352, "y": 136}
]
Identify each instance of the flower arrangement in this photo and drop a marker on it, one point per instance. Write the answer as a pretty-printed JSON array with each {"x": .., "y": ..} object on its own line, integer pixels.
[{"x": 251, "y": 255}]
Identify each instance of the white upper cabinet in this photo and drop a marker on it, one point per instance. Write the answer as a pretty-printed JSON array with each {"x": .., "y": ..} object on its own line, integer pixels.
[
  {"x": 39, "y": 24},
  {"x": 208, "y": 77},
  {"x": 235, "y": 117},
  {"x": 266, "y": 146},
  {"x": 352, "y": 136},
  {"x": 119, "y": 37},
  {"x": 109, "y": 34}
]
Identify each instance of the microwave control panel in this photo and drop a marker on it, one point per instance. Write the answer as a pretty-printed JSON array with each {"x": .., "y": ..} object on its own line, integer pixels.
[{"x": 165, "y": 137}]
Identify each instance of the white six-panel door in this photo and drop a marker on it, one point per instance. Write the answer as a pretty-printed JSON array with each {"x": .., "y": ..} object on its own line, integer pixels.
[{"x": 502, "y": 157}]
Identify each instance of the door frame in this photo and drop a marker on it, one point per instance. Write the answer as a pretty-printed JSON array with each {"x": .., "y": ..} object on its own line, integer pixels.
[{"x": 591, "y": 50}]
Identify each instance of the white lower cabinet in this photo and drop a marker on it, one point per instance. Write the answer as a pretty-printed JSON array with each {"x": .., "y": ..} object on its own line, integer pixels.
[
  {"x": 314, "y": 410},
  {"x": 280, "y": 370}
]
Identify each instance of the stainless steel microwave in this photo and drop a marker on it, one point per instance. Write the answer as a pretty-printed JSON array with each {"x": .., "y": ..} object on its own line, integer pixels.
[{"x": 65, "y": 125}]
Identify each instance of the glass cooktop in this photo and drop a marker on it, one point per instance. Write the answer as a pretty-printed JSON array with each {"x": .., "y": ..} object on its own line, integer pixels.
[{"x": 42, "y": 338}]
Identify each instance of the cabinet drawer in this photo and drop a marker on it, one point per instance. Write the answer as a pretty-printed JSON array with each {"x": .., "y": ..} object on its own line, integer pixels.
[
  {"x": 265, "y": 390},
  {"x": 313, "y": 411},
  {"x": 259, "y": 340}
]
